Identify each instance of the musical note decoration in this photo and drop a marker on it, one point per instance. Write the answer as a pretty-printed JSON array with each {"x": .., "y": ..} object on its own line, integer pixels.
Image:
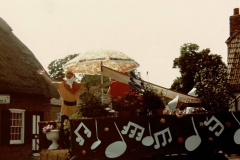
[
  {"x": 193, "y": 141},
  {"x": 148, "y": 140},
  {"x": 117, "y": 148},
  {"x": 157, "y": 145},
  {"x": 79, "y": 138},
  {"x": 236, "y": 136},
  {"x": 98, "y": 142},
  {"x": 133, "y": 131},
  {"x": 212, "y": 128}
]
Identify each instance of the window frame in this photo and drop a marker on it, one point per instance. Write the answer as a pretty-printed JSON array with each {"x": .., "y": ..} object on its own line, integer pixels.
[{"x": 21, "y": 111}]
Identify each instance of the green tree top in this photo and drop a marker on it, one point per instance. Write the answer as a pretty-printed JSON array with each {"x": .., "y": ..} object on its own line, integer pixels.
[
  {"x": 55, "y": 68},
  {"x": 207, "y": 73},
  {"x": 191, "y": 61},
  {"x": 213, "y": 89}
]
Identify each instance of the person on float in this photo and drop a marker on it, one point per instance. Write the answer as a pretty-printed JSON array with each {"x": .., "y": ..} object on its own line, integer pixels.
[
  {"x": 117, "y": 88},
  {"x": 69, "y": 91}
]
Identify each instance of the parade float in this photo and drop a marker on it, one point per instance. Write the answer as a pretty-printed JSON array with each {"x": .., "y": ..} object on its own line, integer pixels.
[{"x": 156, "y": 136}]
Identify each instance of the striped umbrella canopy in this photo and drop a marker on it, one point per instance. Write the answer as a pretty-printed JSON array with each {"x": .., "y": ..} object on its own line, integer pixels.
[{"x": 90, "y": 62}]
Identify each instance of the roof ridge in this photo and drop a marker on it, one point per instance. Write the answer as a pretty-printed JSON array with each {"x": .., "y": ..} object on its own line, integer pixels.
[{"x": 4, "y": 26}]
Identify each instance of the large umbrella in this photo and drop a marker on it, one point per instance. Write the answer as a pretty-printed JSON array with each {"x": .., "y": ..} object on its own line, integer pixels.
[{"x": 90, "y": 62}]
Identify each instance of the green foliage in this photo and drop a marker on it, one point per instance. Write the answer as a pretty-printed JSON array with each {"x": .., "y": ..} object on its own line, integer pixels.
[
  {"x": 66, "y": 123},
  {"x": 177, "y": 85},
  {"x": 207, "y": 73},
  {"x": 152, "y": 100},
  {"x": 190, "y": 62},
  {"x": 55, "y": 68},
  {"x": 92, "y": 106},
  {"x": 213, "y": 89},
  {"x": 95, "y": 80}
]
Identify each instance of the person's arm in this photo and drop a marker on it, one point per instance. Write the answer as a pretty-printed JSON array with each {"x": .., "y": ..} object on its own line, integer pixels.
[
  {"x": 47, "y": 79},
  {"x": 92, "y": 89},
  {"x": 178, "y": 115},
  {"x": 109, "y": 92}
]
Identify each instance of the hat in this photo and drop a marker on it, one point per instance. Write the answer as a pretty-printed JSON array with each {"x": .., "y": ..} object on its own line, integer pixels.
[{"x": 69, "y": 72}]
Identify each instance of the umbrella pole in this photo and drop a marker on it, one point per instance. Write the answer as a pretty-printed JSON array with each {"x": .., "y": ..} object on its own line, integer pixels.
[{"x": 102, "y": 88}]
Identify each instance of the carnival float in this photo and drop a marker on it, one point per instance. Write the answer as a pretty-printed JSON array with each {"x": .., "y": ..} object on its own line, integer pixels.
[{"x": 194, "y": 133}]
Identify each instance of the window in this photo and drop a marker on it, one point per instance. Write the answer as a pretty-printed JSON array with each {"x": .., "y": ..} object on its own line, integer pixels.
[{"x": 17, "y": 126}]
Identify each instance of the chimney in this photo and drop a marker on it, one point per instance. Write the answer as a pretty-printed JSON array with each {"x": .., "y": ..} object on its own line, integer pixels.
[{"x": 234, "y": 21}]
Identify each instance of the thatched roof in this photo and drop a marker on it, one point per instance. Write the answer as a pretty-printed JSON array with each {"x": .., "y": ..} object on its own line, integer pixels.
[{"x": 18, "y": 67}]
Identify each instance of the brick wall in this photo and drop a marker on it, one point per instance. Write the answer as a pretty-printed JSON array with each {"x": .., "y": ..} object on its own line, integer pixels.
[
  {"x": 53, "y": 112},
  {"x": 234, "y": 21},
  {"x": 29, "y": 103},
  {"x": 15, "y": 152}
]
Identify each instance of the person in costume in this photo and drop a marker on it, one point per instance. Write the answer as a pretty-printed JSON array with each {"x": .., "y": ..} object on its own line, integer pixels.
[
  {"x": 117, "y": 88},
  {"x": 69, "y": 91}
]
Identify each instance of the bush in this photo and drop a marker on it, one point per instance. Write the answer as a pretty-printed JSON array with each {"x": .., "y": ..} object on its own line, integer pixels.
[{"x": 92, "y": 106}]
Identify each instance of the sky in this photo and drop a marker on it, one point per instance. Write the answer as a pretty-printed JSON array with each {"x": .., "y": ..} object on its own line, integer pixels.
[{"x": 149, "y": 31}]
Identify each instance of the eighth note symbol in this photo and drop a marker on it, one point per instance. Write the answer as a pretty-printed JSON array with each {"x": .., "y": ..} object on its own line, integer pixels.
[
  {"x": 133, "y": 131},
  {"x": 79, "y": 138},
  {"x": 163, "y": 132},
  {"x": 218, "y": 123}
]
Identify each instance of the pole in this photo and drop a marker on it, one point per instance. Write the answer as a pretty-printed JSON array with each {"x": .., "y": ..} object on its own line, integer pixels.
[
  {"x": 101, "y": 80},
  {"x": 102, "y": 88}
]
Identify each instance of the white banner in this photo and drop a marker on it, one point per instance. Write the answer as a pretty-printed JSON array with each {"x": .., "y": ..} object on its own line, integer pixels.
[{"x": 161, "y": 90}]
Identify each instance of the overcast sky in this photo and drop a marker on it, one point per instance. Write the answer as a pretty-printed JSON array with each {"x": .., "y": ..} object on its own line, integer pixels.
[{"x": 149, "y": 31}]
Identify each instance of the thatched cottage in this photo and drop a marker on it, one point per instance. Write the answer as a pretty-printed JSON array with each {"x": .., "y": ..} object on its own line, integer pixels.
[
  {"x": 24, "y": 97},
  {"x": 233, "y": 44}
]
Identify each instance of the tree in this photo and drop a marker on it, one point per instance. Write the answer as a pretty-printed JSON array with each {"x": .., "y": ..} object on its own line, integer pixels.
[
  {"x": 212, "y": 88},
  {"x": 94, "y": 80},
  {"x": 55, "y": 68},
  {"x": 207, "y": 73},
  {"x": 190, "y": 62}
]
